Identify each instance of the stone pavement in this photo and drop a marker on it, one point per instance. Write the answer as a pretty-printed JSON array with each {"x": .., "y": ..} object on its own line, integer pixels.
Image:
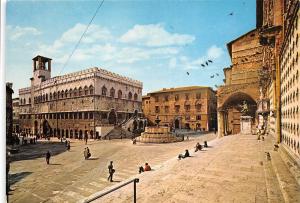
[
  {"x": 234, "y": 169},
  {"x": 70, "y": 178}
]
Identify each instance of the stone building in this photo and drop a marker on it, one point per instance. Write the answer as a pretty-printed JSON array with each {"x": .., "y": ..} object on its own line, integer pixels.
[
  {"x": 289, "y": 80},
  {"x": 9, "y": 113},
  {"x": 191, "y": 107},
  {"x": 16, "y": 110},
  {"x": 239, "y": 95},
  {"x": 77, "y": 104}
]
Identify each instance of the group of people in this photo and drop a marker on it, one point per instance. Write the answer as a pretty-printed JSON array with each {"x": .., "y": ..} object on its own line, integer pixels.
[
  {"x": 198, "y": 147},
  {"x": 146, "y": 168},
  {"x": 86, "y": 153}
]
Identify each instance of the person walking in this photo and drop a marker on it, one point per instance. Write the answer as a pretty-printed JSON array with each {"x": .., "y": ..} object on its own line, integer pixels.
[
  {"x": 111, "y": 171},
  {"x": 85, "y": 153},
  {"x": 48, "y": 155}
]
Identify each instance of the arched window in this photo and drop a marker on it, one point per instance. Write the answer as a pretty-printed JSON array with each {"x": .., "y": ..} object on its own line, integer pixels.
[
  {"x": 112, "y": 92},
  {"x": 75, "y": 92},
  {"x": 47, "y": 97},
  {"x": 50, "y": 96},
  {"x": 80, "y": 91},
  {"x": 44, "y": 98},
  {"x": 86, "y": 90},
  {"x": 29, "y": 101},
  {"x": 91, "y": 88},
  {"x": 70, "y": 93},
  {"x": 58, "y": 94},
  {"x": 129, "y": 95},
  {"x": 120, "y": 94},
  {"x": 66, "y": 93},
  {"x": 135, "y": 96},
  {"x": 104, "y": 90},
  {"x": 62, "y": 94}
]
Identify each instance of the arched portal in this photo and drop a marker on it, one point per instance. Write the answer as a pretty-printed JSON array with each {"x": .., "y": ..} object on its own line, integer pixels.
[
  {"x": 112, "y": 117},
  {"x": 236, "y": 106},
  {"x": 176, "y": 123}
]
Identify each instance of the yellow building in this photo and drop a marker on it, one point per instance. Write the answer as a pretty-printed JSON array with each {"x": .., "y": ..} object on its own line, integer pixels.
[{"x": 191, "y": 107}]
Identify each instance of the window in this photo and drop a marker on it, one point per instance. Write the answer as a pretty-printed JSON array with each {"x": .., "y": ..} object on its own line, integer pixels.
[
  {"x": 166, "y": 109},
  {"x": 79, "y": 115},
  {"x": 156, "y": 98},
  {"x": 80, "y": 91},
  {"x": 129, "y": 95},
  {"x": 176, "y": 97},
  {"x": 166, "y": 98},
  {"x": 66, "y": 93},
  {"x": 58, "y": 94},
  {"x": 70, "y": 93},
  {"x": 156, "y": 109},
  {"x": 188, "y": 107},
  {"x": 104, "y": 90},
  {"x": 91, "y": 88},
  {"x": 66, "y": 116},
  {"x": 75, "y": 92},
  {"x": 198, "y": 107},
  {"x": 91, "y": 115},
  {"x": 135, "y": 96},
  {"x": 198, "y": 117},
  {"x": 177, "y": 108},
  {"x": 187, "y": 97},
  {"x": 112, "y": 92},
  {"x": 86, "y": 90},
  {"x": 120, "y": 94},
  {"x": 198, "y": 96},
  {"x": 86, "y": 115},
  {"x": 187, "y": 117}
]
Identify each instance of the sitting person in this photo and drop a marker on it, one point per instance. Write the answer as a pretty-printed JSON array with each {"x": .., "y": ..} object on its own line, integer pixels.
[
  {"x": 187, "y": 154},
  {"x": 134, "y": 141},
  {"x": 147, "y": 167},
  {"x": 198, "y": 147},
  {"x": 141, "y": 169}
]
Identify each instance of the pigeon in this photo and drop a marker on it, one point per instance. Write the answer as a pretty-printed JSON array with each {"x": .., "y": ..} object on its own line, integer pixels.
[
  {"x": 216, "y": 86},
  {"x": 206, "y": 63},
  {"x": 231, "y": 14},
  {"x": 187, "y": 73},
  {"x": 202, "y": 65},
  {"x": 246, "y": 59},
  {"x": 210, "y": 61},
  {"x": 242, "y": 60},
  {"x": 217, "y": 74},
  {"x": 212, "y": 76}
]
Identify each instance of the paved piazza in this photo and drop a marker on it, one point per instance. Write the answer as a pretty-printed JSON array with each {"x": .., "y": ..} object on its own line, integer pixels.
[{"x": 70, "y": 178}]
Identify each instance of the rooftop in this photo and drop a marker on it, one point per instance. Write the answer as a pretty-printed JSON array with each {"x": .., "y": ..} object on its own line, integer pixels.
[{"x": 178, "y": 89}]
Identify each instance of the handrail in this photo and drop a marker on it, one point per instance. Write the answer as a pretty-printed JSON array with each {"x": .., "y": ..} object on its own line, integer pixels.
[{"x": 136, "y": 180}]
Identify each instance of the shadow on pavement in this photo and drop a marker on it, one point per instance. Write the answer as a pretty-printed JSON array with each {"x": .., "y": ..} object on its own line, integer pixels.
[
  {"x": 39, "y": 150},
  {"x": 93, "y": 158},
  {"x": 16, "y": 177}
]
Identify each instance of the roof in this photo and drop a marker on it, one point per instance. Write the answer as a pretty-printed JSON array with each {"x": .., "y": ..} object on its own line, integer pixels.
[
  {"x": 229, "y": 48},
  {"x": 178, "y": 89},
  {"x": 42, "y": 57}
]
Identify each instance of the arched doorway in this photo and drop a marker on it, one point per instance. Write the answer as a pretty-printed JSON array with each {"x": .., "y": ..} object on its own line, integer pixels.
[
  {"x": 176, "y": 123},
  {"x": 112, "y": 117},
  {"x": 36, "y": 124},
  {"x": 233, "y": 109},
  {"x": 46, "y": 128},
  {"x": 80, "y": 134}
]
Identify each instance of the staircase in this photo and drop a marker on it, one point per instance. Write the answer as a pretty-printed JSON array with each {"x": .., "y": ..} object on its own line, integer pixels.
[{"x": 118, "y": 133}]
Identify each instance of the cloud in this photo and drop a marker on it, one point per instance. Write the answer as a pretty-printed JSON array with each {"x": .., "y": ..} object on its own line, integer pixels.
[
  {"x": 214, "y": 52},
  {"x": 16, "y": 32},
  {"x": 154, "y": 35}
]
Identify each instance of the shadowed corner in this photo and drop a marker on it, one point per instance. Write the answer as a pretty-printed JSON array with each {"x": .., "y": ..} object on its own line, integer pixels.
[{"x": 16, "y": 177}]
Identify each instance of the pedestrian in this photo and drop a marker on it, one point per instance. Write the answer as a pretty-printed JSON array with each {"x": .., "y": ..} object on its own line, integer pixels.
[
  {"x": 88, "y": 153},
  {"x": 215, "y": 130},
  {"x": 48, "y": 155},
  {"x": 111, "y": 171},
  {"x": 68, "y": 146}
]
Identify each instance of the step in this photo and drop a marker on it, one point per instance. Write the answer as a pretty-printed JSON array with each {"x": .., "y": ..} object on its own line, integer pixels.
[{"x": 289, "y": 187}]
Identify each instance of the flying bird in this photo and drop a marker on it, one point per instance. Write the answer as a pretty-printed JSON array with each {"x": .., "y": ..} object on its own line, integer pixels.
[
  {"x": 202, "y": 65},
  {"x": 212, "y": 76},
  {"x": 187, "y": 73},
  {"x": 216, "y": 86},
  {"x": 206, "y": 63},
  {"x": 217, "y": 74},
  {"x": 242, "y": 60},
  {"x": 210, "y": 61},
  {"x": 231, "y": 14},
  {"x": 246, "y": 59}
]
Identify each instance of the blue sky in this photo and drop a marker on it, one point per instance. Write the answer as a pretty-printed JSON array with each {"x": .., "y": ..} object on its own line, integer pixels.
[{"x": 153, "y": 41}]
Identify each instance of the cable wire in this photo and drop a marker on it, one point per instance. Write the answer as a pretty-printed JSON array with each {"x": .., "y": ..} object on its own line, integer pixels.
[{"x": 77, "y": 44}]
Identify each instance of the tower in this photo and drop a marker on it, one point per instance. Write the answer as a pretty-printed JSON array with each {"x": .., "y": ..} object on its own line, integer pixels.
[{"x": 41, "y": 69}]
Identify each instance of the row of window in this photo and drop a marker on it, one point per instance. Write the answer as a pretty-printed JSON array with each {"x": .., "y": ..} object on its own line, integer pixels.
[
  {"x": 177, "y": 108},
  {"x": 77, "y": 92},
  {"x": 177, "y": 97},
  {"x": 71, "y": 115},
  {"x": 290, "y": 83}
]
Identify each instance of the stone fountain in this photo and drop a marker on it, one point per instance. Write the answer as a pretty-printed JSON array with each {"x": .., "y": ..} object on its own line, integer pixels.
[{"x": 158, "y": 134}]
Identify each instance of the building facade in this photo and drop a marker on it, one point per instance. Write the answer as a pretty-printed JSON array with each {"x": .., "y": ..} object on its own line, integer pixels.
[
  {"x": 191, "y": 107},
  {"x": 16, "y": 110},
  {"x": 9, "y": 113},
  {"x": 289, "y": 80},
  {"x": 77, "y": 104}
]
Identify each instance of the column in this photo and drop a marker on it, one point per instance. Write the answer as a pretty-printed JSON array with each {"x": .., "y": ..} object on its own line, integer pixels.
[{"x": 220, "y": 124}]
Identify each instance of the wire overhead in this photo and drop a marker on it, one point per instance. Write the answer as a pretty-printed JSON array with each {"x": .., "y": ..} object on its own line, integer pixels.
[{"x": 77, "y": 44}]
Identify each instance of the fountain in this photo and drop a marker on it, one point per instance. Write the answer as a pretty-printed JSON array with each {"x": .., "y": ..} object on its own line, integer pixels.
[{"x": 158, "y": 134}]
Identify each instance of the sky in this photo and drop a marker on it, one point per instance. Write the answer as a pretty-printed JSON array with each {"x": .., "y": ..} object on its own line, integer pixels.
[{"x": 160, "y": 43}]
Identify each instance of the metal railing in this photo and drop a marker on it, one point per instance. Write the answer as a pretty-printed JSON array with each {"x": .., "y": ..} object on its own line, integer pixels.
[{"x": 136, "y": 180}]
